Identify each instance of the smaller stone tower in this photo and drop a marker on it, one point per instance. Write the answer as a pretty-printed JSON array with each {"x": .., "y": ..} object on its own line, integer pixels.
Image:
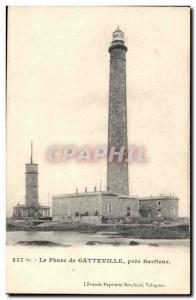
[
  {"x": 32, "y": 208},
  {"x": 31, "y": 179}
]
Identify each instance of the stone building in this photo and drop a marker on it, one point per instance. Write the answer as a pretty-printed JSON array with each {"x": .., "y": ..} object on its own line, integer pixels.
[
  {"x": 32, "y": 208},
  {"x": 159, "y": 207},
  {"x": 100, "y": 206},
  {"x": 93, "y": 207},
  {"x": 114, "y": 203}
]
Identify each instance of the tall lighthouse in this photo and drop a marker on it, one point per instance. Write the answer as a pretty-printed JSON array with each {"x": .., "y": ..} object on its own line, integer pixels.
[{"x": 117, "y": 172}]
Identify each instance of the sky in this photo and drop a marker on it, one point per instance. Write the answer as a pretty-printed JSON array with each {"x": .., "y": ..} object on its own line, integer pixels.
[{"x": 58, "y": 88}]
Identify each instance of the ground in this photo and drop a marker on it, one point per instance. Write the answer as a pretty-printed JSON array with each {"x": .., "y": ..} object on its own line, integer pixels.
[{"x": 138, "y": 231}]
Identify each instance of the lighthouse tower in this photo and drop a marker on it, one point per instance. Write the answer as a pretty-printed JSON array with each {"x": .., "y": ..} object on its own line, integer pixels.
[
  {"x": 32, "y": 207},
  {"x": 31, "y": 182},
  {"x": 117, "y": 172}
]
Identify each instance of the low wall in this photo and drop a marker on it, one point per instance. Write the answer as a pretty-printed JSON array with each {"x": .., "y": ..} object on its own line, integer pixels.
[{"x": 79, "y": 219}]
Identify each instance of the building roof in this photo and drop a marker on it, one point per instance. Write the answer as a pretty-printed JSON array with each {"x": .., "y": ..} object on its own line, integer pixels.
[
  {"x": 85, "y": 194},
  {"x": 151, "y": 198},
  {"x": 26, "y": 207},
  {"x": 88, "y": 194},
  {"x": 104, "y": 193}
]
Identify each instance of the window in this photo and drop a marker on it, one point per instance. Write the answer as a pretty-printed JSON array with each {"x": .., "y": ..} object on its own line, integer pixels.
[
  {"x": 86, "y": 213},
  {"x": 149, "y": 213},
  {"x": 96, "y": 212},
  {"x": 110, "y": 209},
  {"x": 158, "y": 203},
  {"x": 159, "y": 212},
  {"x": 149, "y": 203},
  {"x": 76, "y": 214},
  {"x": 172, "y": 211},
  {"x": 128, "y": 212}
]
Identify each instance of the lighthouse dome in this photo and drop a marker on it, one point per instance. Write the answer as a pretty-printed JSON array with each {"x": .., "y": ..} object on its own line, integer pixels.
[{"x": 118, "y": 35}]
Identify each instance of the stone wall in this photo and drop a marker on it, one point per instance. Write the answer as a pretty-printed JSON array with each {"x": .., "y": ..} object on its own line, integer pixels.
[
  {"x": 76, "y": 205},
  {"x": 79, "y": 219},
  {"x": 72, "y": 207},
  {"x": 118, "y": 206}
]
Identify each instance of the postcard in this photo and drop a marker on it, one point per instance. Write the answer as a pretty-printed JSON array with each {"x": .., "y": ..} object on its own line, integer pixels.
[{"x": 98, "y": 150}]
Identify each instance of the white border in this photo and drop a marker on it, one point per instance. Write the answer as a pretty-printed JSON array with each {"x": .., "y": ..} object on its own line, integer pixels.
[
  {"x": 3, "y": 4},
  {"x": 97, "y": 2}
]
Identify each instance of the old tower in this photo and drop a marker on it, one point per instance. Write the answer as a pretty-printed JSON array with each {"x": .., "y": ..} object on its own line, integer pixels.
[
  {"x": 117, "y": 172},
  {"x": 32, "y": 208},
  {"x": 31, "y": 182}
]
